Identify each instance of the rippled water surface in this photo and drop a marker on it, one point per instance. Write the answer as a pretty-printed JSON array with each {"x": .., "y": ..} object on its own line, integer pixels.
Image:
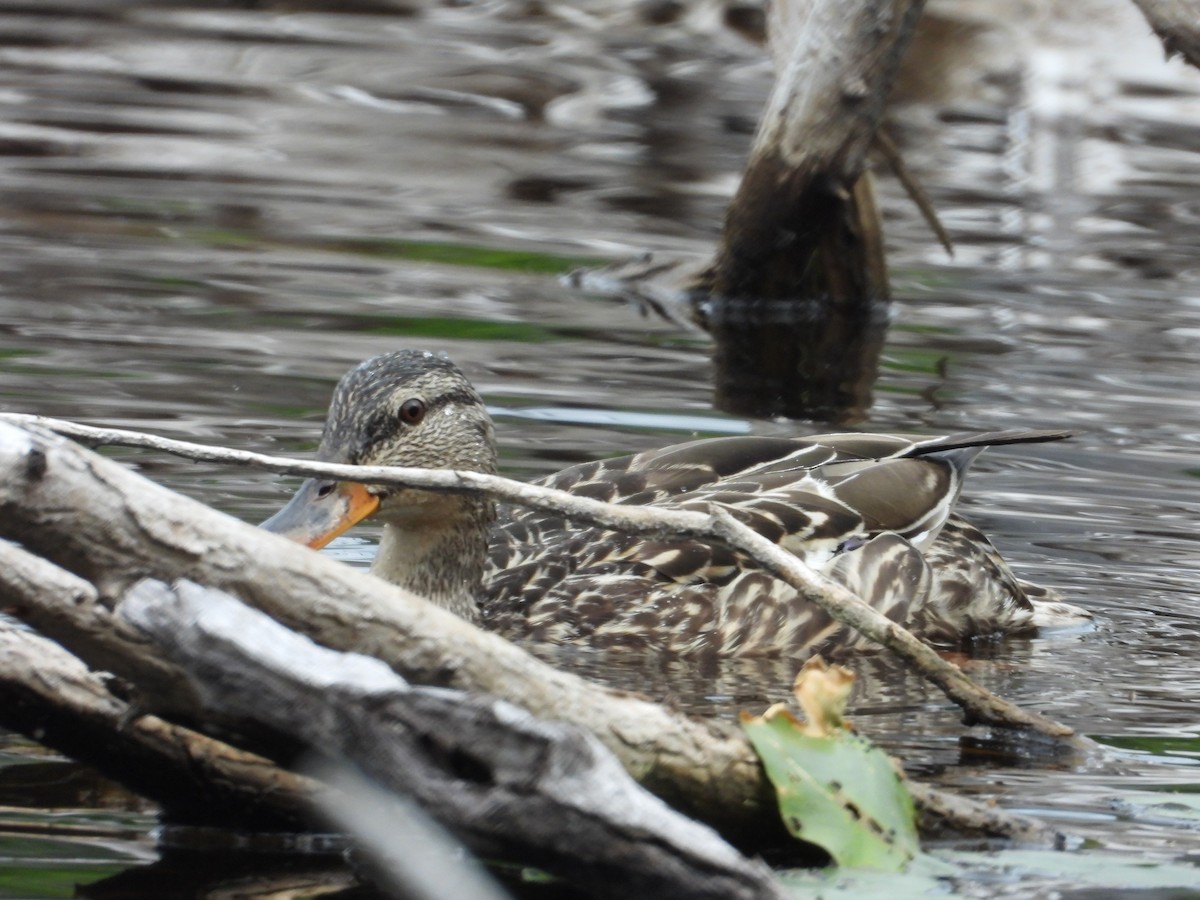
[{"x": 211, "y": 210}]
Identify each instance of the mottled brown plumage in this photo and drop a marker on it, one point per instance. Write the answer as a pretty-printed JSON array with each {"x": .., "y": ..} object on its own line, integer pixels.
[{"x": 873, "y": 512}]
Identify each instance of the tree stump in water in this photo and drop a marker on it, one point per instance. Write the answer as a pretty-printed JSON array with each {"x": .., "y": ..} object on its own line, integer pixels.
[{"x": 796, "y": 298}]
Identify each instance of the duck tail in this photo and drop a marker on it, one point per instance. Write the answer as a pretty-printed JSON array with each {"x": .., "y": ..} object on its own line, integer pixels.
[{"x": 979, "y": 440}]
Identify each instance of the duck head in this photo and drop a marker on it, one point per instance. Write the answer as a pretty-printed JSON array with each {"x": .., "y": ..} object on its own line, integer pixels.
[{"x": 408, "y": 408}]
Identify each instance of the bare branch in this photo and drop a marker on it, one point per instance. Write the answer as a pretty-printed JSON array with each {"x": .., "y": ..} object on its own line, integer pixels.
[
  {"x": 979, "y": 704},
  {"x": 913, "y": 187}
]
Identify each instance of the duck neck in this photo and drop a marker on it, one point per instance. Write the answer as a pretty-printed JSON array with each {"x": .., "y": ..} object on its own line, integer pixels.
[{"x": 440, "y": 556}]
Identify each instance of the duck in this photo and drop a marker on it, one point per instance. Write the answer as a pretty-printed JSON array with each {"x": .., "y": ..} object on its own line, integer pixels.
[{"x": 874, "y": 513}]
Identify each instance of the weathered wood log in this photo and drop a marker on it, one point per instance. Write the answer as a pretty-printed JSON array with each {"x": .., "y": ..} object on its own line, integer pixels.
[
  {"x": 793, "y": 229},
  {"x": 113, "y": 527},
  {"x": 68, "y": 609},
  {"x": 508, "y": 784},
  {"x": 51, "y": 696},
  {"x": 1177, "y": 24},
  {"x": 796, "y": 297}
]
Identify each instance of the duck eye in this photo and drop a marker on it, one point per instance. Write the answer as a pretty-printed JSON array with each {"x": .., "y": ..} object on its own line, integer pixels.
[{"x": 412, "y": 411}]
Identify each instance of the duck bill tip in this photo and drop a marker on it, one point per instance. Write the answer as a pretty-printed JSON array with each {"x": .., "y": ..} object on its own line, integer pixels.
[{"x": 320, "y": 511}]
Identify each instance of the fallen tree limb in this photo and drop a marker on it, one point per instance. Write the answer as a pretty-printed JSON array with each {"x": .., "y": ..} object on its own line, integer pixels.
[
  {"x": 112, "y": 527},
  {"x": 509, "y": 785},
  {"x": 68, "y": 609},
  {"x": 50, "y": 695},
  {"x": 979, "y": 704}
]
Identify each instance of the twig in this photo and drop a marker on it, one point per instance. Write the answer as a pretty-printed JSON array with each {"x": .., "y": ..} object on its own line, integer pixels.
[
  {"x": 913, "y": 187},
  {"x": 979, "y": 704}
]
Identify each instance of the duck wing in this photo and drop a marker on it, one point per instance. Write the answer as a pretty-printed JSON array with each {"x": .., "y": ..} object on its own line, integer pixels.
[{"x": 872, "y": 511}]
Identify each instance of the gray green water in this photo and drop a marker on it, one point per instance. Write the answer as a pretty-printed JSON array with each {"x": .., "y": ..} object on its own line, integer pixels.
[{"x": 211, "y": 210}]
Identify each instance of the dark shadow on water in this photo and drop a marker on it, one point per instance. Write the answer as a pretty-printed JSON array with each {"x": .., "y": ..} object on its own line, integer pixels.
[{"x": 805, "y": 359}]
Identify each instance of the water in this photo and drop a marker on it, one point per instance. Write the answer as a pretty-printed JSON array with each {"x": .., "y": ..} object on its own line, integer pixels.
[{"x": 212, "y": 210}]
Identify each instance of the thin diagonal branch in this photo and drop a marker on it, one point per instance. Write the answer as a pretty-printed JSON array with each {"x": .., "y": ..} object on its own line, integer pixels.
[{"x": 979, "y": 704}]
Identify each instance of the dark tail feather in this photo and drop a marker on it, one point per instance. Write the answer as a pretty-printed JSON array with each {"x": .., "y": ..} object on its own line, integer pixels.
[{"x": 985, "y": 439}]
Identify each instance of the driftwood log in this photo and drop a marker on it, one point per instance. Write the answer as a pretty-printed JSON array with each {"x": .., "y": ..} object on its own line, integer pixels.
[
  {"x": 488, "y": 770},
  {"x": 508, "y": 784},
  {"x": 53, "y": 697},
  {"x": 111, "y": 528},
  {"x": 796, "y": 227},
  {"x": 513, "y": 787},
  {"x": 796, "y": 296}
]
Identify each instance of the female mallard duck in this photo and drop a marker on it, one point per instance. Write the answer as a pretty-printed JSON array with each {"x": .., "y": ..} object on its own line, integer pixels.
[{"x": 873, "y": 512}]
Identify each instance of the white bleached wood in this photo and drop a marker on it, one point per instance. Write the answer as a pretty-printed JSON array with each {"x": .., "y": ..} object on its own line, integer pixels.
[{"x": 507, "y": 783}]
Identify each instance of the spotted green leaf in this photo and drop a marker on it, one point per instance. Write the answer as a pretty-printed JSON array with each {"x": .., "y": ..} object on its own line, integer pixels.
[{"x": 837, "y": 791}]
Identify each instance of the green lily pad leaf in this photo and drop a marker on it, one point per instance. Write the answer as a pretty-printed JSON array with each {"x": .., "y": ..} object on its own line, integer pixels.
[{"x": 835, "y": 789}]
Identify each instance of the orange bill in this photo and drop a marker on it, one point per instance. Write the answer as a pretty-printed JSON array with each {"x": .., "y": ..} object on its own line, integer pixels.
[{"x": 321, "y": 510}]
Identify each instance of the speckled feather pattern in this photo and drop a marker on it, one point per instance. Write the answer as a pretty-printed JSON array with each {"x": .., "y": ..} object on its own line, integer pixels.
[{"x": 549, "y": 581}]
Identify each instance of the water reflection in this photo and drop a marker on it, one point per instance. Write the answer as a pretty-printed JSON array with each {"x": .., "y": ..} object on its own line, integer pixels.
[
  {"x": 199, "y": 235},
  {"x": 804, "y": 360}
]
